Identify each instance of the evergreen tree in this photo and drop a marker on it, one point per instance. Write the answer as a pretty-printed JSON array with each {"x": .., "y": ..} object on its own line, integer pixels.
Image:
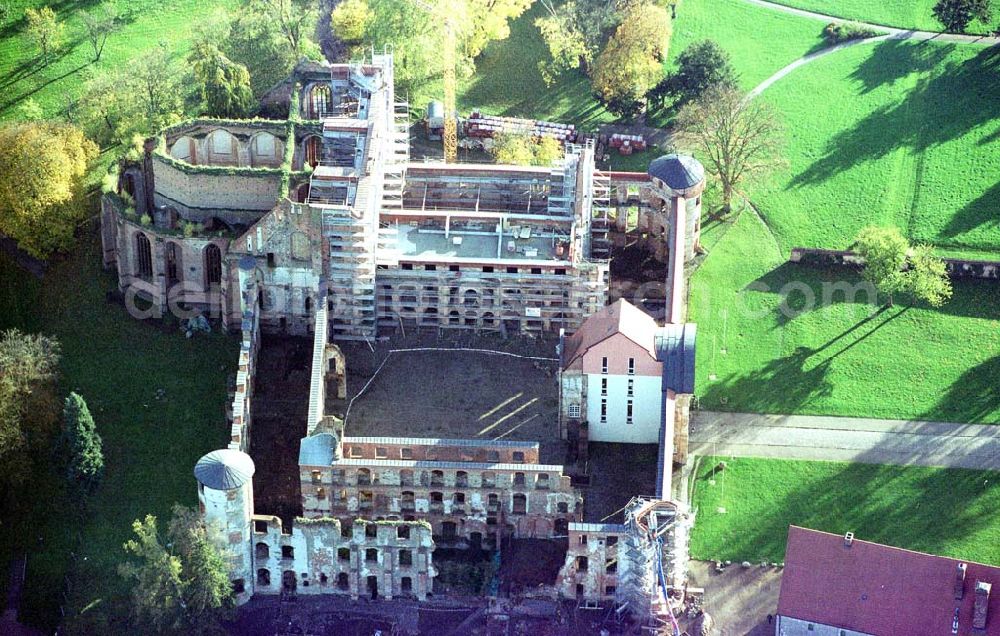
[{"x": 83, "y": 445}]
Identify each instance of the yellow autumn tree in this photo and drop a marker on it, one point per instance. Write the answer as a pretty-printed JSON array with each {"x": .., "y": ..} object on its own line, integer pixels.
[
  {"x": 632, "y": 61},
  {"x": 41, "y": 183}
]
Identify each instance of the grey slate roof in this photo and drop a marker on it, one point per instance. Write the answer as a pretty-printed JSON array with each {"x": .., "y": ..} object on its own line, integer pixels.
[
  {"x": 224, "y": 469},
  {"x": 675, "y": 348},
  {"x": 677, "y": 171},
  {"x": 317, "y": 450}
]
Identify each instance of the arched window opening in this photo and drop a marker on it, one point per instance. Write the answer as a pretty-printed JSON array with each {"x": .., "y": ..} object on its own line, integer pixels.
[
  {"x": 320, "y": 101},
  {"x": 213, "y": 265},
  {"x": 144, "y": 257},
  {"x": 174, "y": 269}
]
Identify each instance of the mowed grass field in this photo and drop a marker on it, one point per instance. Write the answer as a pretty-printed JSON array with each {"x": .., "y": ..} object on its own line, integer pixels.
[
  {"x": 777, "y": 337},
  {"x": 759, "y": 41},
  {"x": 150, "y": 445},
  {"x": 53, "y": 84},
  {"x": 891, "y": 133},
  {"x": 905, "y": 14},
  {"x": 942, "y": 511}
]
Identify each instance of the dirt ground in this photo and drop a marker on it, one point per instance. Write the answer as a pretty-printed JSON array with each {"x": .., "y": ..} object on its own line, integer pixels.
[
  {"x": 279, "y": 405},
  {"x": 617, "y": 473},
  {"x": 738, "y": 599},
  {"x": 455, "y": 394}
]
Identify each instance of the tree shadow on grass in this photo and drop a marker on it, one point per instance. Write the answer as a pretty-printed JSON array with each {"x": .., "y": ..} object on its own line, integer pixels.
[
  {"x": 933, "y": 511},
  {"x": 783, "y": 385},
  {"x": 974, "y": 397},
  {"x": 975, "y": 214},
  {"x": 892, "y": 60},
  {"x": 942, "y": 106}
]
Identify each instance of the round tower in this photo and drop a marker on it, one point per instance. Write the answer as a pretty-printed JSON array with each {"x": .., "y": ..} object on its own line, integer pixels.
[
  {"x": 225, "y": 499},
  {"x": 680, "y": 180}
]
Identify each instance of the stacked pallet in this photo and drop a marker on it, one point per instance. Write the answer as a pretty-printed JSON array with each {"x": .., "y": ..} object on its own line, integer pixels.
[
  {"x": 626, "y": 144},
  {"x": 485, "y": 126}
]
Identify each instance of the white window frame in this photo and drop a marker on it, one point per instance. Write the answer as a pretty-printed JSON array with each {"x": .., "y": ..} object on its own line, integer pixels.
[
  {"x": 604, "y": 387},
  {"x": 631, "y": 366},
  {"x": 573, "y": 411},
  {"x": 629, "y": 410},
  {"x": 631, "y": 387},
  {"x": 604, "y": 366},
  {"x": 604, "y": 411}
]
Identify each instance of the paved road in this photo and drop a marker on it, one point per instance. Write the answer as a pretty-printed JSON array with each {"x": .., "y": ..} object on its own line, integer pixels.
[{"x": 846, "y": 439}]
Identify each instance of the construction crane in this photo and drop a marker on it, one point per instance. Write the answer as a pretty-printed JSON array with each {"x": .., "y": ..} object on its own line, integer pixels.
[{"x": 445, "y": 13}]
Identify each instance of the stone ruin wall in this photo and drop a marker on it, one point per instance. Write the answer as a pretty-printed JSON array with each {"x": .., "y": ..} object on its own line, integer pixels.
[
  {"x": 466, "y": 502},
  {"x": 327, "y": 556}
]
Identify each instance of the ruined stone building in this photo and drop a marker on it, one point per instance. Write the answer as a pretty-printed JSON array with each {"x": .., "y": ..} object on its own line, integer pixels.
[
  {"x": 319, "y": 225},
  {"x": 470, "y": 491},
  {"x": 331, "y": 210},
  {"x": 316, "y": 556}
]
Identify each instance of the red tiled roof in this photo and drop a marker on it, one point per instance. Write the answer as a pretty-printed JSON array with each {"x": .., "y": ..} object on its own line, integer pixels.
[
  {"x": 620, "y": 317},
  {"x": 878, "y": 589}
]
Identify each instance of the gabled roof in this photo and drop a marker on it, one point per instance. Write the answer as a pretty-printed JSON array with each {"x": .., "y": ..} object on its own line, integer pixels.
[
  {"x": 224, "y": 469},
  {"x": 621, "y": 317},
  {"x": 878, "y": 589}
]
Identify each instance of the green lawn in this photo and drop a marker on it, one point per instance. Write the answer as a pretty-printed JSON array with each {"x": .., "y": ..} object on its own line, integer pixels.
[
  {"x": 760, "y": 42},
  {"x": 905, "y": 14},
  {"x": 840, "y": 357},
  {"x": 150, "y": 445},
  {"x": 891, "y": 133},
  {"x": 22, "y": 75},
  {"x": 950, "y": 512}
]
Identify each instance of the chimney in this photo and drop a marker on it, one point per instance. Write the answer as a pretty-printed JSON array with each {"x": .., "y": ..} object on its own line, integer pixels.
[
  {"x": 848, "y": 539},
  {"x": 960, "y": 581},
  {"x": 982, "y": 601}
]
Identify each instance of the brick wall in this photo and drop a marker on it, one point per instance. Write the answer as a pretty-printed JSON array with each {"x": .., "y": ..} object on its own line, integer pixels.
[{"x": 206, "y": 192}]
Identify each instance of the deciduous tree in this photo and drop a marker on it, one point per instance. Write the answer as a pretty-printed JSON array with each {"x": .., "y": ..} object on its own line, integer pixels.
[
  {"x": 574, "y": 32},
  {"x": 294, "y": 19},
  {"x": 85, "y": 455},
  {"x": 895, "y": 267},
  {"x": 884, "y": 251},
  {"x": 349, "y": 20},
  {"x": 44, "y": 29},
  {"x": 490, "y": 21},
  {"x": 415, "y": 29},
  {"x": 41, "y": 183},
  {"x": 180, "y": 584},
  {"x": 142, "y": 98},
  {"x": 739, "y": 138},
  {"x": 98, "y": 25},
  {"x": 700, "y": 66},
  {"x": 631, "y": 63},
  {"x": 29, "y": 408},
  {"x": 523, "y": 150},
  {"x": 956, "y": 15},
  {"x": 225, "y": 85}
]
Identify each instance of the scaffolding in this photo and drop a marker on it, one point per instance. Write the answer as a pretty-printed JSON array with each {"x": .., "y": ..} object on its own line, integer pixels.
[{"x": 656, "y": 552}]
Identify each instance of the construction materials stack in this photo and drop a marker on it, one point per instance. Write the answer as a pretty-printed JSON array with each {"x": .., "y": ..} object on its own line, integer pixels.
[{"x": 488, "y": 126}]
